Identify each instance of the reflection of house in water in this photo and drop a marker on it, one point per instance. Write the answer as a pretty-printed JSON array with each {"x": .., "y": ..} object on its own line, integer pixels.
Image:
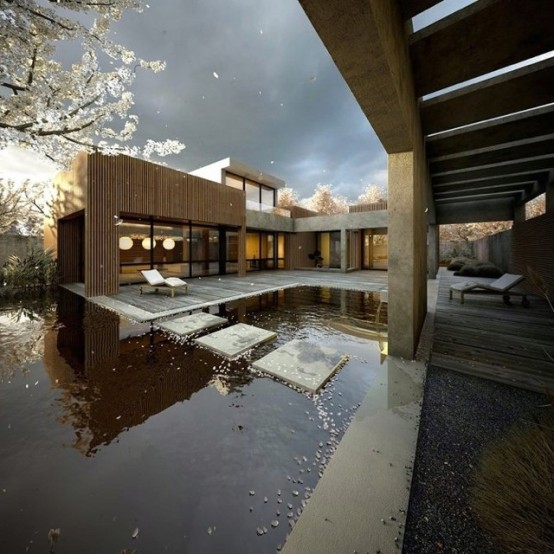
[{"x": 115, "y": 377}]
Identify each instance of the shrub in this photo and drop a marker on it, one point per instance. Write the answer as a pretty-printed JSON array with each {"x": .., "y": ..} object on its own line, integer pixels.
[
  {"x": 479, "y": 269},
  {"x": 37, "y": 270},
  {"x": 513, "y": 490},
  {"x": 457, "y": 263}
]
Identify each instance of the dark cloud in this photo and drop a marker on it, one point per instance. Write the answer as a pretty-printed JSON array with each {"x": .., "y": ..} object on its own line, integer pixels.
[{"x": 278, "y": 96}]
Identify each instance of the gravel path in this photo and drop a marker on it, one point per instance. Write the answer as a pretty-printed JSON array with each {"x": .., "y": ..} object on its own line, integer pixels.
[{"x": 460, "y": 415}]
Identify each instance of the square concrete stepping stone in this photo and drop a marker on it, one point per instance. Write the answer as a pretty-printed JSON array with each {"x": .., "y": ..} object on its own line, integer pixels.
[
  {"x": 193, "y": 323},
  {"x": 236, "y": 339},
  {"x": 304, "y": 364}
]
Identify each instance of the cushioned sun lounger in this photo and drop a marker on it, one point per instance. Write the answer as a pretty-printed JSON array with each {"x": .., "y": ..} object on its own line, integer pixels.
[
  {"x": 502, "y": 286},
  {"x": 157, "y": 281}
]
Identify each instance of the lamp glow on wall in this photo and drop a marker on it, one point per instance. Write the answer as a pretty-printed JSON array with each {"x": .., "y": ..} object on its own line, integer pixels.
[
  {"x": 147, "y": 245},
  {"x": 168, "y": 244},
  {"x": 125, "y": 243}
]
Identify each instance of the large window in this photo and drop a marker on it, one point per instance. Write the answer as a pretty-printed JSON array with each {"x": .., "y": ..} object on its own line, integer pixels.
[
  {"x": 265, "y": 250},
  {"x": 328, "y": 244},
  {"x": 375, "y": 249},
  {"x": 177, "y": 249},
  {"x": 258, "y": 197}
]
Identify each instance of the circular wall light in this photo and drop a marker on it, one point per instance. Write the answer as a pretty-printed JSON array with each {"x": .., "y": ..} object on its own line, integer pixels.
[
  {"x": 125, "y": 243},
  {"x": 147, "y": 245},
  {"x": 168, "y": 244}
]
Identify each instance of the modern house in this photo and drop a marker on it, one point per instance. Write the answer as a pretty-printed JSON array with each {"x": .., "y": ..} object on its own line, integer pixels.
[{"x": 115, "y": 215}]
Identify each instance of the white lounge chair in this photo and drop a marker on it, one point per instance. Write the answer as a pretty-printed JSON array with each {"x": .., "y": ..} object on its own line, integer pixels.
[
  {"x": 502, "y": 286},
  {"x": 157, "y": 281}
]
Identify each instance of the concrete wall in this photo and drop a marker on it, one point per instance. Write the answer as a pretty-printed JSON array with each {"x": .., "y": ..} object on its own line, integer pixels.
[
  {"x": 269, "y": 222},
  {"x": 16, "y": 245},
  {"x": 365, "y": 220},
  {"x": 496, "y": 249}
]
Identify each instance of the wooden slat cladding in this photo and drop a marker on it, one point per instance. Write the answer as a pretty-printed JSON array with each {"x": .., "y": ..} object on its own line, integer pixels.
[
  {"x": 149, "y": 189},
  {"x": 533, "y": 252},
  {"x": 298, "y": 246},
  {"x": 374, "y": 207},
  {"x": 101, "y": 234}
]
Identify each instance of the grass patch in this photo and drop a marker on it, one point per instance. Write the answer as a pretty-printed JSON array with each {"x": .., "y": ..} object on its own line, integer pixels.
[{"x": 513, "y": 491}]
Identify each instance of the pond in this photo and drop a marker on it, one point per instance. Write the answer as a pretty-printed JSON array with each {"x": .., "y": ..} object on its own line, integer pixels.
[{"x": 124, "y": 437}]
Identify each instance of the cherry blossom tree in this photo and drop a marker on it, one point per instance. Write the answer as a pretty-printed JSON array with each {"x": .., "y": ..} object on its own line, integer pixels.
[
  {"x": 287, "y": 197},
  {"x": 56, "y": 110},
  {"x": 324, "y": 202},
  {"x": 23, "y": 206},
  {"x": 372, "y": 194}
]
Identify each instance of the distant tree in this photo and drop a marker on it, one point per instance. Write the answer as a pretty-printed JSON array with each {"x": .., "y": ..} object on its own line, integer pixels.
[
  {"x": 372, "y": 194},
  {"x": 22, "y": 207},
  {"x": 535, "y": 207},
  {"x": 324, "y": 202},
  {"x": 287, "y": 197},
  {"x": 466, "y": 232},
  {"x": 58, "y": 111}
]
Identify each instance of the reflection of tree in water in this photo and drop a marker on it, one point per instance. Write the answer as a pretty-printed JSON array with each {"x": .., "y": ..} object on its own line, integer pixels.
[
  {"x": 121, "y": 383},
  {"x": 23, "y": 321}
]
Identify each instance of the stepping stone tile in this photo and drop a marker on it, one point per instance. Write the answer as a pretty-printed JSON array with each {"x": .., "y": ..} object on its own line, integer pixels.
[
  {"x": 235, "y": 340},
  {"x": 193, "y": 323},
  {"x": 304, "y": 364}
]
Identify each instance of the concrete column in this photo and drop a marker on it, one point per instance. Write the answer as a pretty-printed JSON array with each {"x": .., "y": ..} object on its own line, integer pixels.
[
  {"x": 432, "y": 251},
  {"x": 407, "y": 255},
  {"x": 343, "y": 250},
  {"x": 519, "y": 213}
]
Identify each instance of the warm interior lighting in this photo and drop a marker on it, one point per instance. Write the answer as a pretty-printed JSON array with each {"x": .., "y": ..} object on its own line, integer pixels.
[
  {"x": 125, "y": 243},
  {"x": 146, "y": 243},
  {"x": 169, "y": 244}
]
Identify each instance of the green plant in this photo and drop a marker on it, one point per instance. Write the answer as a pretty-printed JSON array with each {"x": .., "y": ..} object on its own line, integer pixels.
[
  {"x": 513, "y": 491},
  {"x": 479, "y": 269},
  {"x": 38, "y": 269}
]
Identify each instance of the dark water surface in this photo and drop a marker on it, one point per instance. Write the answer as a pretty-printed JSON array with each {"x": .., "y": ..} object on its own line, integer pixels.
[{"x": 108, "y": 427}]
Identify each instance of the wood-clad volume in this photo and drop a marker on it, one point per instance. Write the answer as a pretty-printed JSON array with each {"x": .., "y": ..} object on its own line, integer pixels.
[{"x": 106, "y": 187}]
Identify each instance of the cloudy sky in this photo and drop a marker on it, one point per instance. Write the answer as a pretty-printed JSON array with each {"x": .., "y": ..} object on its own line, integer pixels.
[{"x": 251, "y": 80}]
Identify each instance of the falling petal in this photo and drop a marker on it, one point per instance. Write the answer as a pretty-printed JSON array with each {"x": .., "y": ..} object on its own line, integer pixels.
[
  {"x": 215, "y": 75},
  {"x": 135, "y": 533}
]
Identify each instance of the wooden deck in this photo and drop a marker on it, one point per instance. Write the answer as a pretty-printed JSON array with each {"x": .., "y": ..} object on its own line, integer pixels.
[
  {"x": 487, "y": 338},
  {"x": 209, "y": 291}
]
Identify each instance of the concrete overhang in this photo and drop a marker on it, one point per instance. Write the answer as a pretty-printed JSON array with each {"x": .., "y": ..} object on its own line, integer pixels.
[
  {"x": 215, "y": 171},
  {"x": 483, "y": 37},
  {"x": 243, "y": 170}
]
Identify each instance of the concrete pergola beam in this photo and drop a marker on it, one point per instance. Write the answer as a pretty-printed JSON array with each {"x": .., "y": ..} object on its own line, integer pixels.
[
  {"x": 446, "y": 53},
  {"x": 512, "y": 151},
  {"x": 471, "y": 190},
  {"x": 518, "y": 90},
  {"x": 411, "y": 8},
  {"x": 476, "y": 211},
  {"x": 533, "y": 123},
  {"x": 527, "y": 167}
]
